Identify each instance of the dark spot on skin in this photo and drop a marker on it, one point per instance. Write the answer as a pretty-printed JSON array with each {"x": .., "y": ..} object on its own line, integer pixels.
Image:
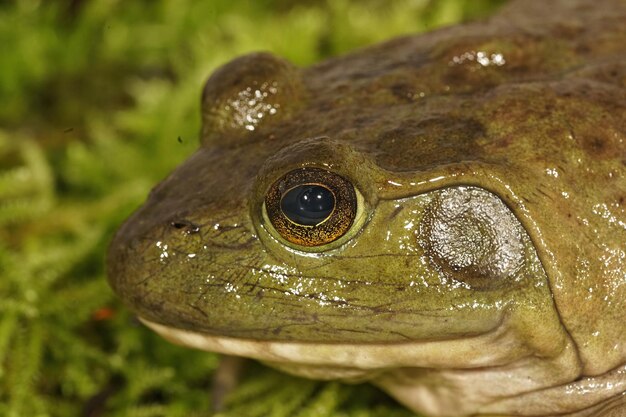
[
  {"x": 429, "y": 143},
  {"x": 598, "y": 146},
  {"x": 185, "y": 226},
  {"x": 361, "y": 121},
  {"x": 567, "y": 29},
  {"x": 583, "y": 49},
  {"x": 404, "y": 92}
]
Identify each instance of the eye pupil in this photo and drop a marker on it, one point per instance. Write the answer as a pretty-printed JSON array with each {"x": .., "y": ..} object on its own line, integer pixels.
[{"x": 308, "y": 204}]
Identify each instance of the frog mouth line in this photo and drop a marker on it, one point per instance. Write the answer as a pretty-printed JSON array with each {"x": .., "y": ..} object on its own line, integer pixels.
[{"x": 470, "y": 352}]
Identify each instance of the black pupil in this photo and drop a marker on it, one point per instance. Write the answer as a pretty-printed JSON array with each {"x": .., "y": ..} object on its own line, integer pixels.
[{"x": 308, "y": 204}]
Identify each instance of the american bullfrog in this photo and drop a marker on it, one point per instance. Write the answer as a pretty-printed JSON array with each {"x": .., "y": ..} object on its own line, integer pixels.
[{"x": 442, "y": 215}]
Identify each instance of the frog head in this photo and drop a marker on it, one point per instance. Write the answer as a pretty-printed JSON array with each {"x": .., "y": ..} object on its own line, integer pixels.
[{"x": 413, "y": 213}]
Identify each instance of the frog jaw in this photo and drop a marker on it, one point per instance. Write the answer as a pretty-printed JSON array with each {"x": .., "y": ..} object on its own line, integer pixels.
[
  {"x": 492, "y": 373},
  {"x": 460, "y": 376},
  {"x": 497, "y": 346}
]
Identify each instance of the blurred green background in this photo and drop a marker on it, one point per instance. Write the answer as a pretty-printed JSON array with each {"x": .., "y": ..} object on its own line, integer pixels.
[{"x": 99, "y": 99}]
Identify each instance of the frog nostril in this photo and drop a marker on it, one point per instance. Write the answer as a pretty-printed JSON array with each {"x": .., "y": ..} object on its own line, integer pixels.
[{"x": 185, "y": 225}]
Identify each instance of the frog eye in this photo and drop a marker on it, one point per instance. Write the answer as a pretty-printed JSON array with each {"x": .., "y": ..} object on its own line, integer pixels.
[{"x": 311, "y": 206}]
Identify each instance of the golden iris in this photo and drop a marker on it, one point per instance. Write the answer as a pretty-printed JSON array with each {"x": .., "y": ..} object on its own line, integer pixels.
[{"x": 311, "y": 206}]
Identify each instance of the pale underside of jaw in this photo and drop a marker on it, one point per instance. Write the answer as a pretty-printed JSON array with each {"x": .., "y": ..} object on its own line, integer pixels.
[
  {"x": 470, "y": 352},
  {"x": 469, "y": 368}
]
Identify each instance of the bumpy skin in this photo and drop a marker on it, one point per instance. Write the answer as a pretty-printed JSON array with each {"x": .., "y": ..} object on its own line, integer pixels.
[{"x": 486, "y": 270}]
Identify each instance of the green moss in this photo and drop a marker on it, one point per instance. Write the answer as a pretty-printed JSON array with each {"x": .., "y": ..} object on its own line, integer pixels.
[{"x": 100, "y": 99}]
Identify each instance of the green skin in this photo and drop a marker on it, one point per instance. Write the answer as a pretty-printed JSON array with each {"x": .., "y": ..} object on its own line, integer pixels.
[{"x": 537, "y": 121}]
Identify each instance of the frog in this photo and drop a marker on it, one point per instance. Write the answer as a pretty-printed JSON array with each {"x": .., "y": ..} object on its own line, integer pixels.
[{"x": 441, "y": 215}]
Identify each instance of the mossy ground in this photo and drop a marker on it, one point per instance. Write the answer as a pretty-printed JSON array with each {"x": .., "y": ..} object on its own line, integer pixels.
[{"x": 99, "y": 100}]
